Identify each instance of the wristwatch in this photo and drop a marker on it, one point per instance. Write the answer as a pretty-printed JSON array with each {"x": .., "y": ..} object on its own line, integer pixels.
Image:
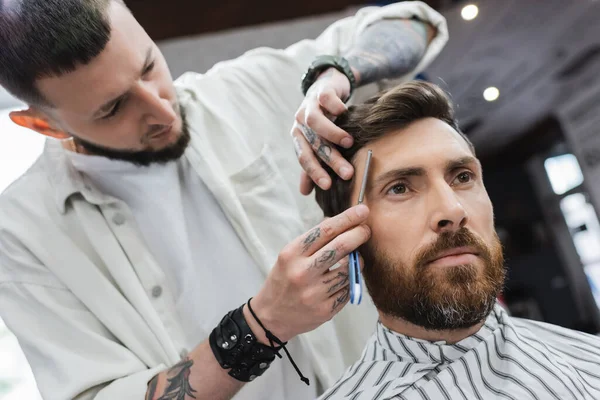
[
  {"x": 322, "y": 63},
  {"x": 235, "y": 347}
]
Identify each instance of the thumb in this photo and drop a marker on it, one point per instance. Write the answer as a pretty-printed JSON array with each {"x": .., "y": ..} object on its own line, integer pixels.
[{"x": 306, "y": 184}]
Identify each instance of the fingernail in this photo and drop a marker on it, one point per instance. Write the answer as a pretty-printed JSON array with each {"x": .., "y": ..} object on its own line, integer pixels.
[
  {"x": 345, "y": 173},
  {"x": 346, "y": 142},
  {"x": 323, "y": 183},
  {"x": 362, "y": 210}
]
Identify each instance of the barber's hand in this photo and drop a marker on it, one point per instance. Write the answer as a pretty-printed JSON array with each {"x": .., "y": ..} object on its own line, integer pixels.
[
  {"x": 313, "y": 131},
  {"x": 301, "y": 293}
]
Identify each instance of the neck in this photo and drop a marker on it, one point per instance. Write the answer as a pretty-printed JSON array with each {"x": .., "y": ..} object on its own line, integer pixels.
[
  {"x": 71, "y": 145},
  {"x": 406, "y": 328}
]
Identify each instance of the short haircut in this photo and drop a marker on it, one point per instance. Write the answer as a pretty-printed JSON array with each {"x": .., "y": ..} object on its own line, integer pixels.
[
  {"x": 388, "y": 111},
  {"x": 45, "y": 38}
]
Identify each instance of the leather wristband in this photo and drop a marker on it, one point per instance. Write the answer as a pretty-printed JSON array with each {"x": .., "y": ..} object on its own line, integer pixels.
[{"x": 236, "y": 348}]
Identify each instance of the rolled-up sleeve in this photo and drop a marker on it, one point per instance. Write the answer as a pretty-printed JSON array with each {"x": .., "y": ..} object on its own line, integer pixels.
[{"x": 272, "y": 77}]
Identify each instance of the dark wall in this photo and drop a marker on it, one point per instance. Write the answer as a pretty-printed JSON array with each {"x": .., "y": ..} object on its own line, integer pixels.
[{"x": 175, "y": 18}]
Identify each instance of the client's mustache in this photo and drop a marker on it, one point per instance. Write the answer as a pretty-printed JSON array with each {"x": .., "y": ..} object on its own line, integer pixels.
[{"x": 451, "y": 240}]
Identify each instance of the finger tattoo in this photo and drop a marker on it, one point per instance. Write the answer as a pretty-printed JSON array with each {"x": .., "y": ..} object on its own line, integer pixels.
[
  {"x": 311, "y": 238},
  {"x": 324, "y": 151},
  {"x": 325, "y": 257},
  {"x": 341, "y": 299},
  {"x": 309, "y": 134},
  {"x": 297, "y": 147},
  {"x": 342, "y": 280}
]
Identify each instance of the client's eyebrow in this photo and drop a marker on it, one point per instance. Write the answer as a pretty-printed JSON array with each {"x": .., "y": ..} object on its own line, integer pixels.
[
  {"x": 399, "y": 174},
  {"x": 461, "y": 163},
  {"x": 420, "y": 171}
]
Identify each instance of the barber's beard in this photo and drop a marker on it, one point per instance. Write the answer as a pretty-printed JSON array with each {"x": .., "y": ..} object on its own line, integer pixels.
[
  {"x": 437, "y": 298},
  {"x": 143, "y": 158}
]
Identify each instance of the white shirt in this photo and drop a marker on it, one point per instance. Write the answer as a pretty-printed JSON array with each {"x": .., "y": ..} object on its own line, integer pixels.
[
  {"x": 208, "y": 272},
  {"x": 76, "y": 275},
  {"x": 508, "y": 358}
]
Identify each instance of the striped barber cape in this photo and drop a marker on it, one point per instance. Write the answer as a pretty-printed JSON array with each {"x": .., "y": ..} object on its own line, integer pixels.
[{"x": 508, "y": 358}]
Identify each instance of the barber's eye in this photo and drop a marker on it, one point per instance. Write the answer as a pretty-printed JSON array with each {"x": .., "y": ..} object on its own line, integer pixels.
[
  {"x": 464, "y": 177},
  {"x": 399, "y": 188},
  {"x": 114, "y": 111}
]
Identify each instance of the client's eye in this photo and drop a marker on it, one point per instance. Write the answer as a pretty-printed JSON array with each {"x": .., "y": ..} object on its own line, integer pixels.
[
  {"x": 398, "y": 188},
  {"x": 464, "y": 177}
]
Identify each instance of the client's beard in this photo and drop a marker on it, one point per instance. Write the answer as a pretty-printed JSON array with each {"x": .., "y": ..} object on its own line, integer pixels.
[
  {"x": 143, "y": 158},
  {"x": 446, "y": 298}
]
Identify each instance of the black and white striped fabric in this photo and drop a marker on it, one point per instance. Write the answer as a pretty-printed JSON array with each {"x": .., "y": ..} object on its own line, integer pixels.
[{"x": 509, "y": 358}]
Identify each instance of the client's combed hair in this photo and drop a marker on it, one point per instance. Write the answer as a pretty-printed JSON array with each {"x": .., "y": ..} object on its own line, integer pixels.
[{"x": 388, "y": 111}]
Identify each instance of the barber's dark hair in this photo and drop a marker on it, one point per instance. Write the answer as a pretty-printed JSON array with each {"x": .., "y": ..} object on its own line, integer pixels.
[
  {"x": 44, "y": 38},
  {"x": 388, "y": 111}
]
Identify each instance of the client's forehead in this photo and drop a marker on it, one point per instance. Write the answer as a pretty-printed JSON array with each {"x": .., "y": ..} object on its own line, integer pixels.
[
  {"x": 427, "y": 144},
  {"x": 416, "y": 143}
]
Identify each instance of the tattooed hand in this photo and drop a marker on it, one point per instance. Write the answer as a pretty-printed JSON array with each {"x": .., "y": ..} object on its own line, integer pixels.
[
  {"x": 303, "y": 291},
  {"x": 314, "y": 130},
  {"x": 389, "y": 48}
]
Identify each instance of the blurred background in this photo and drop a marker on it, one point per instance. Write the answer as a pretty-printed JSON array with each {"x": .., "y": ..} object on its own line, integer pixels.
[{"x": 524, "y": 76}]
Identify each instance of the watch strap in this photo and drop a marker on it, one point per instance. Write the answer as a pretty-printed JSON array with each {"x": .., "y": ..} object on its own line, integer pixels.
[{"x": 320, "y": 64}]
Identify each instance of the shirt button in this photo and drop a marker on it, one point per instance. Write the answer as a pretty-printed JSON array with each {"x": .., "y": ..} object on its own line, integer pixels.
[
  {"x": 119, "y": 219},
  {"x": 183, "y": 353},
  {"x": 156, "y": 291}
]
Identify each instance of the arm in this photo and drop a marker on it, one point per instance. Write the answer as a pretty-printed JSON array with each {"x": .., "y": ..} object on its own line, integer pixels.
[
  {"x": 387, "y": 49},
  {"x": 198, "y": 376},
  {"x": 299, "y": 295},
  {"x": 78, "y": 357}
]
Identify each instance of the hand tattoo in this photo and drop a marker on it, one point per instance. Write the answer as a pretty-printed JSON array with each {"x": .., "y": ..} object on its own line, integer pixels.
[
  {"x": 324, "y": 151},
  {"x": 309, "y": 134},
  {"x": 179, "y": 382},
  {"x": 388, "y": 49},
  {"x": 341, "y": 300},
  {"x": 325, "y": 257},
  {"x": 311, "y": 238},
  {"x": 342, "y": 280},
  {"x": 323, "y": 148},
  {"x": 297, "y": 147}
]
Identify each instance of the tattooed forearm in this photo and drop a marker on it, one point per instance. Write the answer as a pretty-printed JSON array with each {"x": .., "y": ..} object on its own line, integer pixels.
[
  {"x": 389, "y": 49},
  {"x": 178, "y": 379},
  {"x": 342, "y": 280},
  {"x": 151, "y": 392},
  {"x": 311, "y": 238},
  {"x": 341, "y": 300}
]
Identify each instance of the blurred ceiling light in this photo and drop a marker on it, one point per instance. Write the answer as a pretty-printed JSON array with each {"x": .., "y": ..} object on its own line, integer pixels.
[
  {"x": 469, "y": 12},
  {"x": 491, "y": 94}
]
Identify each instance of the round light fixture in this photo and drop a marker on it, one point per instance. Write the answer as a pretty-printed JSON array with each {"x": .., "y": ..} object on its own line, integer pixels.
[
  {"x": 469, "y": 12},
  {"x": 491, "y": 94}
]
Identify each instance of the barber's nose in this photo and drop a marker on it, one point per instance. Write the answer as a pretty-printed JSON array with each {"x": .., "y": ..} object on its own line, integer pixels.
[
  {"x": 448, "y": 214},
  {"x": 159, "y": 111}
]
